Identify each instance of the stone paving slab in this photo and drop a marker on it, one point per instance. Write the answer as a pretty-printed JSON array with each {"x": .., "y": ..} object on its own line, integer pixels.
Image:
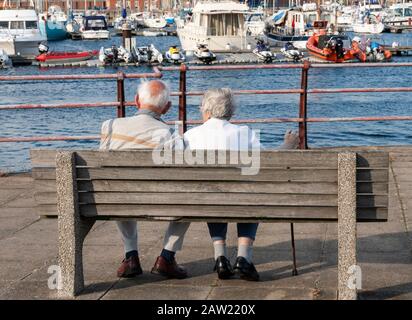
[{"x": 28, "y": 248}]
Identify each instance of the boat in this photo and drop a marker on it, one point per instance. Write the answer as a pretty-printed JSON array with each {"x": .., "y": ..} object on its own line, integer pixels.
[
  {"x": 372, "y": 28},
  {"x": 294, "y": 25},
  {"x": 53, "y": 24},
  {"x": 399, "y": 14},
  {"x": 291, "y": 52},
  {"x": 255, "y": 23},
  {"x": 147, "y": 54},
  {"x": 368, "y": 19},
  {"x": 174, "y": 55},
  {"x": 262, "y": 51},
  {"x": 20, "y": 35},
  {"x": 94, "y": 28},
  {"x": 331, "y": 48},
  {"x": 63, "y": 57},
  {"x": 149, "y": 20},
  {"x": 218, "y": 25},
  {"x": 204, "y": 54},
  {"x": 4, "y": 59},
  {"x": 115, "y": 55}
]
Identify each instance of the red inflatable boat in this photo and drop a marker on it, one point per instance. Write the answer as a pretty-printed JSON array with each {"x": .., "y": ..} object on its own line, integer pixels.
[
  {"x": 66, "y": 57},
  {"x": 330, "y": 48}
]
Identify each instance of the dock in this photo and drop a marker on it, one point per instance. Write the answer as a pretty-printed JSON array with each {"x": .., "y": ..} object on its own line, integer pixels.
[{"x": 28, "y": 247}]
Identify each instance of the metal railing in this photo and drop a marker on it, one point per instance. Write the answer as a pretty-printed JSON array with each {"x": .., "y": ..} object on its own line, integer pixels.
[{"x": 182, "y": 95}]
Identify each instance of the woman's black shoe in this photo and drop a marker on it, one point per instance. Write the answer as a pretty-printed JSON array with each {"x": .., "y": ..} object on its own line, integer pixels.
[
  {"x": 246, "y": 270},
  {"x": 223, "y": 268}
]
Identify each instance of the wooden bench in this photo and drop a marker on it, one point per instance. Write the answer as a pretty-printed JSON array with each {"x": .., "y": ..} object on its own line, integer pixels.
[{"x": 83, "y": 186}]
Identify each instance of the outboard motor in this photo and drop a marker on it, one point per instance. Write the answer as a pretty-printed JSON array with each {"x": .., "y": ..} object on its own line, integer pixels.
[
  {"x": 43, "y": 48},
  {"x": 340, "y": 51}
]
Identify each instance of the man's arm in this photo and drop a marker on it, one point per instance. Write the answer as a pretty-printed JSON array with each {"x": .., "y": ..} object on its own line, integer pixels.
[{"x": 105, "y": 136}]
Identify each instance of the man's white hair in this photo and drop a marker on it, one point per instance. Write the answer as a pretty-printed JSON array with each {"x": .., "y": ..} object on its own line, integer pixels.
[
  {"x": 147, "y": 97},
  {"x": 219, "y": 103}
]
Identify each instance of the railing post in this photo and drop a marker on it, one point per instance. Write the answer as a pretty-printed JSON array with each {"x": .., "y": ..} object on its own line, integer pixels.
[
  {"x": 303, "y": 106},
  {"x": 121, "y": 111},
  {"x": 182, "y": 98},
  {"x": 303, "y": 143}
]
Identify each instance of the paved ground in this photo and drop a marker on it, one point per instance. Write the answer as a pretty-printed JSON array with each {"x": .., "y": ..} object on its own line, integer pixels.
[{"x": 28, "y": 248}]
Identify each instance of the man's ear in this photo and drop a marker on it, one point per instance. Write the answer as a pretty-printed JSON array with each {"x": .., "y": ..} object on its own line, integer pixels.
[
  {"x": 166, "y": 107},
  {"x": 136, "y": 101}
]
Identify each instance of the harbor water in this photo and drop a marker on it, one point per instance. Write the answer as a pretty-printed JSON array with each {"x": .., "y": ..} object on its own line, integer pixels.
[{"x": 87, "y": 121}]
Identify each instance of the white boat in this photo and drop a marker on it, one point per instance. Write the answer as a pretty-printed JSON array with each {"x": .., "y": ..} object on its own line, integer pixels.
[
  {"x": 20, "y": 35},
  {"x": 94, "y": 28},
  {"x": 218, "y": 25},
  {"x": 149, "y": 20},
  {"x": 204, "y": 54},
  {"x": 255, "y": 23},
  {"x": 368, "y": 24},
  {"x": 399, "y": 14},
  {"x": 53, "y": 24},
  {"x": 295, "y": 25},
  {"x": 4, "y": 59}
]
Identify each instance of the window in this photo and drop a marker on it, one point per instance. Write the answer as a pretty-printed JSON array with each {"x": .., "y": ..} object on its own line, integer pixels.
[
  {"x": 16, "y": 24},
  {"x": 31, "y": 24},
  {"x": 4, "y": 24}
]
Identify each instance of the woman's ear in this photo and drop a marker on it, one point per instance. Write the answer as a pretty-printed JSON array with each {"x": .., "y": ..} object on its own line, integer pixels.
[{"x": 136, "y": 101}]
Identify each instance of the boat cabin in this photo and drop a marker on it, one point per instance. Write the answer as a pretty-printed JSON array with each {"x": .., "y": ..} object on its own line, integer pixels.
[
  {"x": 94, "y": 23},
  {"x": 220, "y": 18},
  {"x": 18, "y": 21}
]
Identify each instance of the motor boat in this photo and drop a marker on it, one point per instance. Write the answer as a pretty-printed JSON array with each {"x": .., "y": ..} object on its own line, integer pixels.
[
  {"x": 115, "y": 55},
  {"x": 63, "y": 57},
  {"x": 219, "y": 25},
  {"x": 291, "y": 52},
  {"x": 204, "y": 54},
  {"x": 174, "y": 55},
  {"x": 255, "y": 23},
  {"x": 368, "y": 22},
  {"x": 331, "y": 48},
  {"x": 94, "y": 28},
  {"x": 294, "y": 25},
  {"x": 53, "y": 24},
  {"x": 4, "y": 59},
  {"x": 147, "y": 54},
  {"x": 20, "y": 35},
  {"x": 263, "y": 52}
]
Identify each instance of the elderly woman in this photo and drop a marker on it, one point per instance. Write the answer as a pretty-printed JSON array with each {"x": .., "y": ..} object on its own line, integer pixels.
[{"x": 217, "y": 133}]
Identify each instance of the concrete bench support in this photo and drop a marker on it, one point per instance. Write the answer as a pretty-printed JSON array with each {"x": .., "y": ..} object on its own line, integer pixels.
[
  {"x": 72, "y": 228},
  {"x": 346, "y": 225}
]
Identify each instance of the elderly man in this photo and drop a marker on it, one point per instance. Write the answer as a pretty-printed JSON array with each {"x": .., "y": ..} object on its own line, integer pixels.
[
  {"x": 145, "y": 130},
  {"x": 217, "y": 133}
]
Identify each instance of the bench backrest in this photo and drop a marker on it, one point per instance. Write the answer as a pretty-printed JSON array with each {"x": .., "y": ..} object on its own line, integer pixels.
[{"x": 290, "y": 186}]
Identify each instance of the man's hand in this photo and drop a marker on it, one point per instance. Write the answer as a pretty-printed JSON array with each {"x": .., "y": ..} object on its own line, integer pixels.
[{"x": 291, "y": 140}]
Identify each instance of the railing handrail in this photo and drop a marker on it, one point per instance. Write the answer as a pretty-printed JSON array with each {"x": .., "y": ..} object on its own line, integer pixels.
[{"x": 121, "y": 103}]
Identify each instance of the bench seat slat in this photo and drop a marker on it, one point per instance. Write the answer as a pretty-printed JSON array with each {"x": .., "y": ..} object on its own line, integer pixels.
[
  {"x": 268, "y": 158},
  {"x": 215, "y": 186}
]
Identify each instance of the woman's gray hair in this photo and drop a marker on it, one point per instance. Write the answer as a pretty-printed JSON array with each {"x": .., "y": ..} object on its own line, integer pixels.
[{"x": 219, "y": 103}]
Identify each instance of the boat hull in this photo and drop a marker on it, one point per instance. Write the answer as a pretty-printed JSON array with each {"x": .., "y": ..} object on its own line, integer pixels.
[
  {"x": 368, "y": 28},
  {"x": 22, "y": 48},
  {"x": 279, "y": 40},
  {"x": 95, "y": 35},
  {"x": 53, "y": 30},
  {"x": 190, "y": 42}
]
